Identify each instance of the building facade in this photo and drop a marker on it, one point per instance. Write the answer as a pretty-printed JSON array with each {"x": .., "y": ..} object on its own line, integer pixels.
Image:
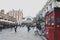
[
  {"x": 6, "y": 21},
  {"x": 18, "y": 14},
  {"x": 49, "y": 6}
]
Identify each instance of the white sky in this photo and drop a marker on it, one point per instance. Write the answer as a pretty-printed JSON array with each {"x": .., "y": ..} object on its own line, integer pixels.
[{"x": 30, "y": 7}]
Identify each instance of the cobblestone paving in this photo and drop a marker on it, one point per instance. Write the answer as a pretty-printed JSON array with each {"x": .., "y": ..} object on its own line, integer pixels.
[{"x": 21, "y": 34}]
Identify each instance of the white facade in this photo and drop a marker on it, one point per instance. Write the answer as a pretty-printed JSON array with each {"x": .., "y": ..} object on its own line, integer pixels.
[
  {"x": 50, "y": 5},
  {"x": 18, "y": 14}
]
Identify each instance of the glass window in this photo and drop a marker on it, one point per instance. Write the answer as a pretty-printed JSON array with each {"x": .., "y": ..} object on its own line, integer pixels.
[
  {"x": 50, "y": 6},
  {"x": 48, "y": 21},
  {"x": 58, "y": 20},
  {"x": 52, "y": 20}
]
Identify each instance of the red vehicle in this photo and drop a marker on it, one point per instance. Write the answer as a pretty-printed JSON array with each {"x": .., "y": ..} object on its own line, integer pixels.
[{"x": 53, "y": 24}]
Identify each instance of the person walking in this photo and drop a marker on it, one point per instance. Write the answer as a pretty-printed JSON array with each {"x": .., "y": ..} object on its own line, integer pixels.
[
  {"x": 35, "y": 30},
  {"x": 15, "y": 28},
  {"x": 28, "y": 27},
  {"x": 0, "y": 28}
]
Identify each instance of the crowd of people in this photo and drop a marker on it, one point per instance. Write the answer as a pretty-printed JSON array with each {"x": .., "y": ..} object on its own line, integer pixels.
[{"x": 38, "y": 28}]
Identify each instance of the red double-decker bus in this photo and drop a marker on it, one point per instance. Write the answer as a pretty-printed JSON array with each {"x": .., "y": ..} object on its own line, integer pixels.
[{"x": 52, "y": 18}]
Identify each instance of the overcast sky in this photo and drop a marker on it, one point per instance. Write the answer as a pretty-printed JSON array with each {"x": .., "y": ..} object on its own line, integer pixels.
[{"x": 30, "y": 7}]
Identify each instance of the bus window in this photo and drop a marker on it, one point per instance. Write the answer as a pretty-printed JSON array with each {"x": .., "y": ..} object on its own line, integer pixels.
[
  {"x": 52, "y": 20},
  {"x": 58, "y": 20},
  {"x": 48, "y": 21}
]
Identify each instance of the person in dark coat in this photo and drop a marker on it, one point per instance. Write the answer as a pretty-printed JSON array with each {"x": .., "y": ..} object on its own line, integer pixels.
[
  {"x": 38, "y": 26},
  {"x": 15, "y": 28},
  {"x": 28, "y": 27}
]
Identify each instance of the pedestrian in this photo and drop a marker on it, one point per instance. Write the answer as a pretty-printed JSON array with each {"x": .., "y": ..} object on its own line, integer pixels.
[
  {"x": 0, "y": 28},
  {"x": 28, "y": 27},
  {"x": 35, "y": 30},
  {"x": 15, "y": 28}
]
